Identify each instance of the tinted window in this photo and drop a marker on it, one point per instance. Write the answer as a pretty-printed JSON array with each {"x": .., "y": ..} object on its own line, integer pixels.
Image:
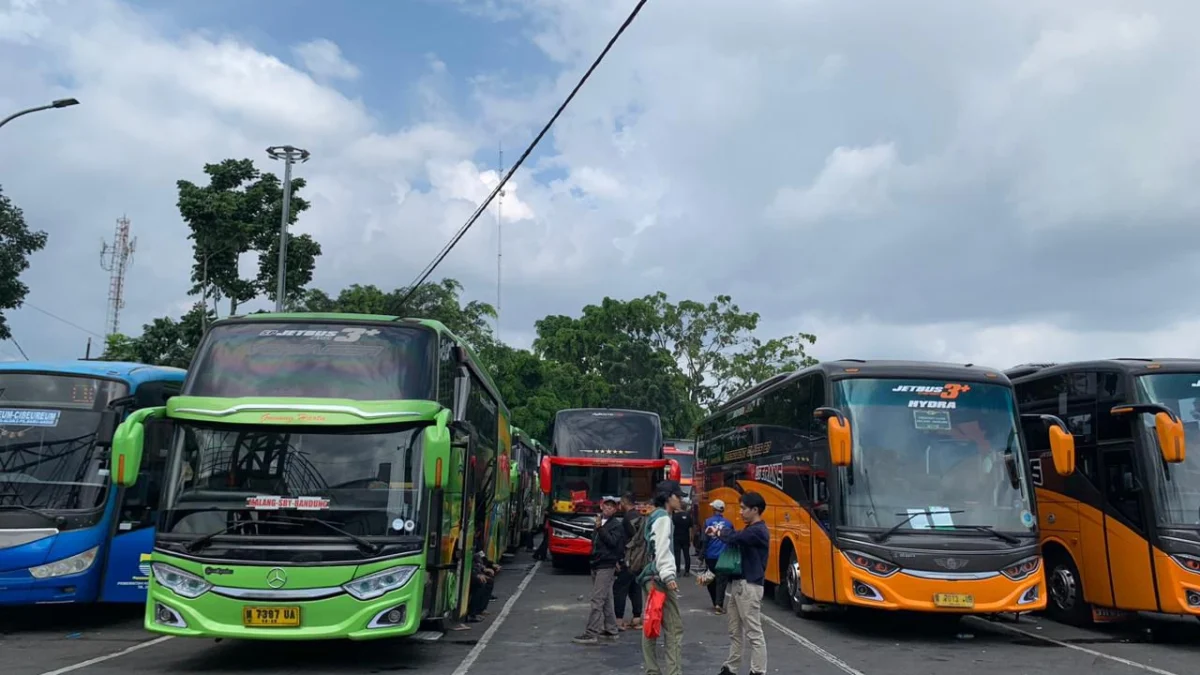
[
  {"x": 316, "y": 360},
  {"x": 617, "y": 434}
]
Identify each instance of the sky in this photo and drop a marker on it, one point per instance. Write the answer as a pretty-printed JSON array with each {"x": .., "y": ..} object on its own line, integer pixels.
[{"x": 994, "y": 182}]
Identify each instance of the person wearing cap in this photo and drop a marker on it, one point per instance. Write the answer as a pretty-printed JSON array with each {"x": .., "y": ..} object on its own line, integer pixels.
[
  {"x": 713, "y": 546},
  {"x": 660, "y": 572},
  {"x": 608, "y": 548}
]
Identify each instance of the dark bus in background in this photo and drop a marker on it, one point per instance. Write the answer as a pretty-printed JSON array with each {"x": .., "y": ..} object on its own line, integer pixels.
[
  {"x": 596, "y": 452},
  {"x": 1121, "y": 534}
]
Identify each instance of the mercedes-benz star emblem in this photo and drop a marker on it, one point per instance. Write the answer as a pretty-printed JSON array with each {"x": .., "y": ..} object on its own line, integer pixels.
[{"x": 276, "y": 578}]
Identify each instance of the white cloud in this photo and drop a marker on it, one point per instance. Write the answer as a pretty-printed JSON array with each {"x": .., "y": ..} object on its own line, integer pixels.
[
  {"x": 324, "y": 59},
  {"x": 970, "y": 177}
]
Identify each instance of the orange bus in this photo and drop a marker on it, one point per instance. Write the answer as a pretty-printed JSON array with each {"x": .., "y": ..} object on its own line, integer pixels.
[
  {"x": 892, "y": 485},
  {"x": 1122, "y": 534}
]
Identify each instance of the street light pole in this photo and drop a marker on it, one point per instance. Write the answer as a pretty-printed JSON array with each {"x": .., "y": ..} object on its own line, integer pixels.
[
  {"x": 288, "y": 154},
  {"x": 60, "y": 103}
]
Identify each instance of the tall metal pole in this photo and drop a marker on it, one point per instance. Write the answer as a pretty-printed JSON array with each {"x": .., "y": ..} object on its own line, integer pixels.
[
  {"x": 288, "y": 154},
  {"x": 499, "y": 237},
  {"x": 60, "y": 103}
]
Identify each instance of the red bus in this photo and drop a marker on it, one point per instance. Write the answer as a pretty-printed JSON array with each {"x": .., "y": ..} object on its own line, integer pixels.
[
  {"x": 683, "y": 451},
  {"x": 596, "y": 452}
]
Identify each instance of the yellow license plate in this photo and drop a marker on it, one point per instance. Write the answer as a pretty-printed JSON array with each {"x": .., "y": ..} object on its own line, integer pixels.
[
  {"x": 955, "y": 600},
  {"x": 271, "y": 617}
]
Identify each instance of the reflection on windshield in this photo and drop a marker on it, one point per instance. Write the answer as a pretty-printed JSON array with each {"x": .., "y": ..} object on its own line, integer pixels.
[
  {"x": 368, "y": 483},
  {"x": 579, "y": 489},
  {"x": 48, "y": 424},
  {"x": 607, "y": 433},
  {"x": 932, "y": 446},
  {"x": 1178, "y": 499}
]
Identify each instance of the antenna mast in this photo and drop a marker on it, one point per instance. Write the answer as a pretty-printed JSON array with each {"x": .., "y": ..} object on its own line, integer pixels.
[
  {"x": 115, "y": 258},
  {"x": 499, "y": 236}
]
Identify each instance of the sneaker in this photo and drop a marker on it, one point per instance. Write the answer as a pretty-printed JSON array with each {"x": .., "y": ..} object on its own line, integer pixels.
[
  {"x": 608, "y": 636},
  {"x": 726, "y": 671},
  {"x": 585, "y": 639}
]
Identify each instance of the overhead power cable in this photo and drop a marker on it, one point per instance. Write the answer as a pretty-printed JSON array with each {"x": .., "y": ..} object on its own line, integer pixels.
[{"x": 412, "y": 288}]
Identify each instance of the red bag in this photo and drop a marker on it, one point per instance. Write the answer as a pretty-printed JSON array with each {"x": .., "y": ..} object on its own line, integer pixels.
[{"x": 652, "y": 616}]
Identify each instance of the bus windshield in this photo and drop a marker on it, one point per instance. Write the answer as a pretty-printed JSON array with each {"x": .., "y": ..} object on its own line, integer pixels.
[
  {"x": 48, "y": 455},
  {"x": 617, "y": 434},
  {"x": 365, "y": 481},
  {"x": 579, "y": 489},
  {"x": 929, "y": 454},
  {"x": 686, "y": 462},
  {"x": 315, "y": 360},
  {"x": 1176, "y": 486}
]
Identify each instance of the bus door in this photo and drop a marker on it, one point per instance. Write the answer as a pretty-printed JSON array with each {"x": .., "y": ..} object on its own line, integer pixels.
[
  {"x": 820, "y": 584},
  {"x": 1125, "y": 528}
]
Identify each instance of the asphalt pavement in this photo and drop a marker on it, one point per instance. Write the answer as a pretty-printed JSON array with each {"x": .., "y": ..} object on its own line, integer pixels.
[{"x": 538, "y": 610}]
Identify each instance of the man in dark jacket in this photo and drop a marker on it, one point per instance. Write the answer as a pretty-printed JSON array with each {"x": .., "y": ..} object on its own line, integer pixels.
[
  {"x": 627, "y": 587},
  {"x": 608, "y": 548}
]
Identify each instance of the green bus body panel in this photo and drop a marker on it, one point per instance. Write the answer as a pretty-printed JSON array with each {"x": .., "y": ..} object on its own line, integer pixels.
[
  {"x": 299, "y": 411},
  {"x": 339, "y": 616}
]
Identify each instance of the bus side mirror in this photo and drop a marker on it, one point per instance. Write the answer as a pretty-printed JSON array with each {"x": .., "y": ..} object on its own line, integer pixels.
[
  {"x": 673, "y": 470},
  {"x": 128, "y": 442},
  {"x": 1062, "y": 450},
  {"x": 839, "y": 434},
  {"x": 544, "y": 475},
  {"x": 437, "y": 452},
  {"x": 1167, "y": 426}
]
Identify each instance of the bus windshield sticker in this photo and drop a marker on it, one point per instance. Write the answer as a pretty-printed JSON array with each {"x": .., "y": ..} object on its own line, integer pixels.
[
  {"x": 344, "y": 335},
  {"x": 932, "y": 517},
  {"x": 931, "y": 420},
  {"x": 948, "y": 391},
  {"x": 275, "y": 502},
  {"x": 927, "y": 403},
  {"x": 24, "y": 417}
]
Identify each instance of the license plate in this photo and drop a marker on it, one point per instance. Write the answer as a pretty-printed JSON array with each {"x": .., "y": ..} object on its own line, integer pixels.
[
  {"x": 271, "y": 617},
  {"x": 955, "y": 600}
]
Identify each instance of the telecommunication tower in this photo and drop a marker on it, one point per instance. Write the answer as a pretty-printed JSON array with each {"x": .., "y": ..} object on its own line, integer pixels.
[{"x": 115, "y": 258}]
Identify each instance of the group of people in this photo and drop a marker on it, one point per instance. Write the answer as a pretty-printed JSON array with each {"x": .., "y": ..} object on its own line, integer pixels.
[{"x": 633, "y": 555}]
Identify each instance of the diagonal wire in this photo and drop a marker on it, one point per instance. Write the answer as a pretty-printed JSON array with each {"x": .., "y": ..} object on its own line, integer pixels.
[{"x": 412, "y": 288}]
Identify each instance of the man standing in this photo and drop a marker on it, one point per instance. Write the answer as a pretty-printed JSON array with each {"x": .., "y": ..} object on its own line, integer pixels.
[
  {"x": 608, "y": 548},
  {"x": 627, "y": 587},
  {"x": 660, "y": 573},
  {"x": 713, "y": 546},
  {"x": 746, "y": 589},
  {"x": 682, "y": 522}
]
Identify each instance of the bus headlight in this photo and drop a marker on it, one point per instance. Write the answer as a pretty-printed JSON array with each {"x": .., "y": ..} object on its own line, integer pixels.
[
  {"x": 1022, "y": 568},
  {"x": 374, "y": 585},
  {"x": 869, "y": 563},
  {"x": 1188, "y": 562},
  {"x": 80, "y": 562},
  {"x": 181, "y": 583}
]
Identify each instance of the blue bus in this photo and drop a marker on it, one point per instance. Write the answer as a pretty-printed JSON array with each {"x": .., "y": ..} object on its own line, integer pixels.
[{"x": 67, "y": 534}]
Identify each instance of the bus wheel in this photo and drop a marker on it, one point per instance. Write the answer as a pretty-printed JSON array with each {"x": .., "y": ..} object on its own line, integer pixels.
[
  {"x": 1066, "y": 603},
  {"x": 789, "y": 592}
]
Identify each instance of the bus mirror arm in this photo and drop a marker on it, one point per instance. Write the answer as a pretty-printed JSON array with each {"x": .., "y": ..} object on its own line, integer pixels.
[
  {"x": 1167, "y": 426},
  {"x": 839, "y": 434},
  {"x": 1062, "y": 443}
]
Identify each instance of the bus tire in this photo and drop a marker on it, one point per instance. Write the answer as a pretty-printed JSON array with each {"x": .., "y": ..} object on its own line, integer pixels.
[
  {"x": 788, "y": 593},
  {"x": 1064, "y": 585}
]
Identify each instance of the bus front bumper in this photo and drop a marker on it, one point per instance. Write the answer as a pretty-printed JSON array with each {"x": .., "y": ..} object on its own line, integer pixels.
[
  {"x": 394, "y": 614},
  {"x": 994, "y": 594},
  {"x": 569, "y": 546}
]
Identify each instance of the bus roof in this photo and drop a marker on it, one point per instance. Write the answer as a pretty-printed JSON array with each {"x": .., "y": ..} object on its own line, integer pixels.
[
  {"x": 1132, "y": 366},
  {"x": 620, "y": 410},
  {"x": 431, "y": 324},
  {"x": 131, "y": 373},
  {"x": 844, "y": 368}
]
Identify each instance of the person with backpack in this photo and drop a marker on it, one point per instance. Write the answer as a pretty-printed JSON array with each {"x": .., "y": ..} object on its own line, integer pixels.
[
  {"x": 713, "y": 546},
  {"x": 626, "y": 586},
  {"x": 660, "y": 574},
  {"x": 608, "y": 548},
  {"x": 746, "y": 585}
]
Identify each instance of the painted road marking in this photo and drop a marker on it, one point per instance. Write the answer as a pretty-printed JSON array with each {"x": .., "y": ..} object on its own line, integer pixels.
[
  {"x": 469, "y": 660},
  {"x": 106, "y": 657},
  {"x": 817, "y": 649},
  {"x": 1077, "y": 648}
]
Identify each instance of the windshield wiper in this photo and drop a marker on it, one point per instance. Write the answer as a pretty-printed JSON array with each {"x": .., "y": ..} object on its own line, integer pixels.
[
  {"x": 363, "y": 544},
  {"x": 880, "y": 538},
  {"x": 58, "y": 520},
  {"x": 203, "y": 540},
  {"x": 990, "y": 530}
]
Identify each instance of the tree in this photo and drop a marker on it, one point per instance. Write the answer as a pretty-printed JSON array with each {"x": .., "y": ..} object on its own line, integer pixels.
[
  {"x": 17, "y": 243},
  {"x": 239, "y": 212},
  {"x": 163, "y": 342}
]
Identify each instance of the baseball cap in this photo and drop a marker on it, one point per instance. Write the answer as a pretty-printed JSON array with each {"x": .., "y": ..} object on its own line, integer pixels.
[
  {"x": 610, "y": 498},
  {"x": 670, "y": 487},
  {"x": 717, "y": 504}
]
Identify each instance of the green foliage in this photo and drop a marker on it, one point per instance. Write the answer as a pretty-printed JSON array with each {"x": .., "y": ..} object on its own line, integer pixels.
[
  {"x": 164, "y": 341},
  {"x": 17, "y": 243}
]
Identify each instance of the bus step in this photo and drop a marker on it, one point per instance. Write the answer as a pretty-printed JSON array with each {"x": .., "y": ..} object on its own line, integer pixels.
[{"x": 427, "y": 635}]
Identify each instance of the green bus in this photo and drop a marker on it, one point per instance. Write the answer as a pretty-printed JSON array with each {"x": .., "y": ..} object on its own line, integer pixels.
[
  {"x": 526, "y": 500},
  {"x": 326, "y": 476}
]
